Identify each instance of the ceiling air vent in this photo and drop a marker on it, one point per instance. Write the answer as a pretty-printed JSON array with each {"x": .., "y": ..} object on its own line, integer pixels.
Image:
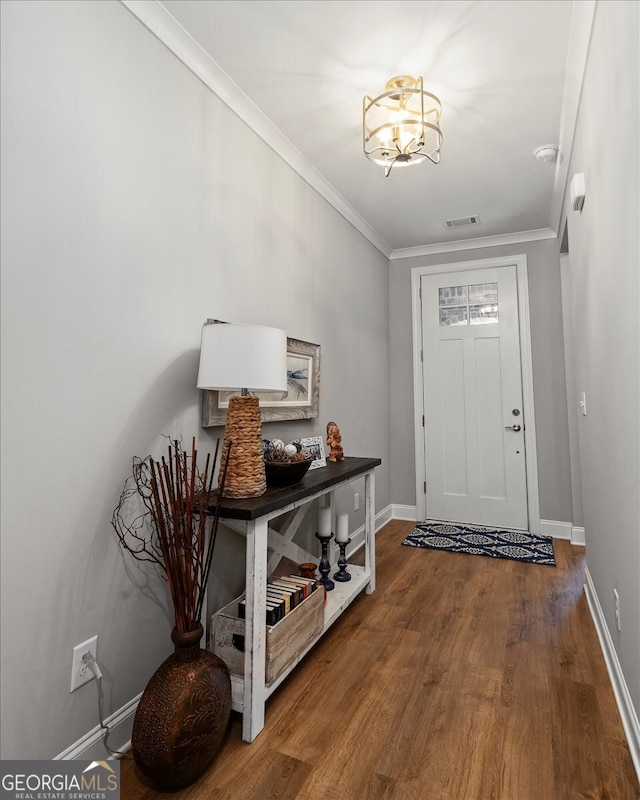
[{"x": 460, "y": 222}]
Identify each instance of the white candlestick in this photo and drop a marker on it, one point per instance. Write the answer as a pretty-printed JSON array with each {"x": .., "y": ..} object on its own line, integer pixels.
[
  {"x": 342, "y": 528},
  {"x": 324, "y": 521}
]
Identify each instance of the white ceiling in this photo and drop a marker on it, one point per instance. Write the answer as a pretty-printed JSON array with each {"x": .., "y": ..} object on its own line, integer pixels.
[{"x": 498, "y": 68}]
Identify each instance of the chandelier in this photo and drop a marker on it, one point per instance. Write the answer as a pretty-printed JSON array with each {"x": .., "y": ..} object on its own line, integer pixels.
[{"x": 401, "y": 126}]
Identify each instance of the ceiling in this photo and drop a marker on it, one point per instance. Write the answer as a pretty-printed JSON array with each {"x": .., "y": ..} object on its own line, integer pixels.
[{"x": 497, "y": 67}]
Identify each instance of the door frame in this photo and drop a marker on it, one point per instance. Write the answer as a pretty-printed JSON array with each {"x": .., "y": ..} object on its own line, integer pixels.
[{"x": 531, "y": 457}]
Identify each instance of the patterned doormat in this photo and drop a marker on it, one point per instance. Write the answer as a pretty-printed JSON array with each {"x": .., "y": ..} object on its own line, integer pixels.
[{"x": 481, "y": 541}]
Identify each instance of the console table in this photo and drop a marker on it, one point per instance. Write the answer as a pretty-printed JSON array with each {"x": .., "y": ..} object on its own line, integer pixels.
[{"x": 251, "y": 517}]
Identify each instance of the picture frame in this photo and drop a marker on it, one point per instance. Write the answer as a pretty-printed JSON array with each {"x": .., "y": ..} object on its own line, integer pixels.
[
  {"x": 315, "y": 444},
  {"x": 300, "y": 401}
]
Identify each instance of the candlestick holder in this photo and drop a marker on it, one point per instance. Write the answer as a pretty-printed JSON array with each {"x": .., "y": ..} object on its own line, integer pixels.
[
  {"x": 324, "y": 566},
  {"x": 342, "y": 575}
]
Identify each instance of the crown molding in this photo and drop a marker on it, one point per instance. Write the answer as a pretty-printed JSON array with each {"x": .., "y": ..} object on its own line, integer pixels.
[
  {"x": 155, "y": 17},
  {"x": 473, "y": 244}
]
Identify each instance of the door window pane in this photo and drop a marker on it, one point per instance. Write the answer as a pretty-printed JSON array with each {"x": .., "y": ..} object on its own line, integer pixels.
[
  {"x": 481, "y": 315},
  {"x": 476, "y": 304},
  {"x": 453, "y": 315},
  {"x": 452, "y": 296},
  {"x": 483, "y": 294}
]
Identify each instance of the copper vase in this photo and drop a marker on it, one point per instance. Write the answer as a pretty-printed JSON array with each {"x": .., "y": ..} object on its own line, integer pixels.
[
  {"x": 183, "y": 714},
  {"x": 308, "y": 570}
]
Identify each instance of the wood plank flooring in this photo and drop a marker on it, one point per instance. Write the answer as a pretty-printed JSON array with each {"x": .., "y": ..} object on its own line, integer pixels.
[{"x": 461, "y": 678}]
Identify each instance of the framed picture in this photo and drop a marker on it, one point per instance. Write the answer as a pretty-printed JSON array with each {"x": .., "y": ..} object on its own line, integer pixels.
[
  {"x": 300, "y": 401},
  {"x": 315, "y": 444}
]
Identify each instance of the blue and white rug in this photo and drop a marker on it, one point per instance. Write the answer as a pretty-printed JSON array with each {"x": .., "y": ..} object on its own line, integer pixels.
[{"x": 481, "y": 541}]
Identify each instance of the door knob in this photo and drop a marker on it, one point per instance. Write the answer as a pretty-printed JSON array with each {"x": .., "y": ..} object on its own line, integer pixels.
[{"x": 515, "y": 428}]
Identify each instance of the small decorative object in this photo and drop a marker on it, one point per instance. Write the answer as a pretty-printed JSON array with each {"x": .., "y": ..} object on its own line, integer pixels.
[
  {"x": 277, "y": 450},
  {"x": 324, "y": 566},
  {"x": 333, "y": 442},
  {"x": 284, "y": 463},
  {"x": 315, "y": 445},
  {"x": 286, "y": 473},
  {"x": 342, "y": 575},
  {"x": 308, "y": 570},
  {"x": 184, "y": 711}
]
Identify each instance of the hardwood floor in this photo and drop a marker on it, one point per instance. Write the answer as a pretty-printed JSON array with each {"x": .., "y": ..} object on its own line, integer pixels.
[{"x": 460, "y": 678}]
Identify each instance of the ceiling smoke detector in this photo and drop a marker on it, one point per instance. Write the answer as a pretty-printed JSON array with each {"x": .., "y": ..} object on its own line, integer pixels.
[{"x": 546, "y": 152}]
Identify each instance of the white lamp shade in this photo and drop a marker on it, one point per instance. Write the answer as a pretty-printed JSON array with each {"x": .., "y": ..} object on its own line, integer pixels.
[{"x": 239, "y": 356}]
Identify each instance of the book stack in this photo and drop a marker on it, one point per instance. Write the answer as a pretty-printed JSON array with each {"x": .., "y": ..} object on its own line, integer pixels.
[{"x": 284, "y": 593}]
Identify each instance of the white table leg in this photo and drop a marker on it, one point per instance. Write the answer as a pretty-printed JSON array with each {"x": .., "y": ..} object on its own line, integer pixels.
[
  {"x": 370, "y": 528},
  {"x": 255, "y": 629}
]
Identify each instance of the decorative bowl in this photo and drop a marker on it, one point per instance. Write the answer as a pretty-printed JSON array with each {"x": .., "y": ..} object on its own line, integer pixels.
[{"x": 286, "y": 473}]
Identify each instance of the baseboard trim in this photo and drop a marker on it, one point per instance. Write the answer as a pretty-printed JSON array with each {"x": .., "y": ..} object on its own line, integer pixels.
[
  {"x": 620, "y": 689},
  {"x": 384, "y": 516},
  {"x": 91, "y": 745},
  {"x": 578, "y": 536},
  {"x": 357, "y": 537},
  {"x": 562, "y": 530},
  {"x": 408, "y": 513},
  {"x": 555, "y": 529}
]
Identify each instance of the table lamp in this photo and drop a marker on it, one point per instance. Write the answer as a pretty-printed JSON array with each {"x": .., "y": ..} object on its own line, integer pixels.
[{"x": 245, "y": 358}]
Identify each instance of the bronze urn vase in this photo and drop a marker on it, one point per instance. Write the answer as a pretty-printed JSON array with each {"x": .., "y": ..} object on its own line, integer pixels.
[{"x": 183, "y": 714}]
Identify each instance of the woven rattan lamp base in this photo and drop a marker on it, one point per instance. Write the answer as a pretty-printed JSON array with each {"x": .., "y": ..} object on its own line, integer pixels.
[{"x": 243, "y": 430}]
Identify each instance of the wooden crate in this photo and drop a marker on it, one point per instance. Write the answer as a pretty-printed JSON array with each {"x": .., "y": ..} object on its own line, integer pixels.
[{"x": 285, "y": 640}]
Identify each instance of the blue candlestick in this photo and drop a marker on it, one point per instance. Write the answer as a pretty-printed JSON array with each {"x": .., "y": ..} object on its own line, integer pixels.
[
  {"x": 324, "y": 566},
  {"x": 342, "y": 575}
]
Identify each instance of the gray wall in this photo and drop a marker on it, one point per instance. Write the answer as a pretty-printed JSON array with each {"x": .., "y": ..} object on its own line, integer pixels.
[
  {"x": 547, "y": 350},
  {"x": 602, "y": 294},
  {"x": 134, "y": 206}
]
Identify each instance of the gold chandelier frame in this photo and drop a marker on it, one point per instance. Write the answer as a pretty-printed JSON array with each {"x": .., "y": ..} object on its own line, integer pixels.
[{"x": 402, "y": 125}]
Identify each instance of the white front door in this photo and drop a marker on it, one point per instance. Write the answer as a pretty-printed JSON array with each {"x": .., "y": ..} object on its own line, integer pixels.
[{"x": 472, "y": 387}]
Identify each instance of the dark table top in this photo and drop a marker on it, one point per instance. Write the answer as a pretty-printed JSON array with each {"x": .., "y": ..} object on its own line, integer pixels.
[{"x": 280, "y": 496}]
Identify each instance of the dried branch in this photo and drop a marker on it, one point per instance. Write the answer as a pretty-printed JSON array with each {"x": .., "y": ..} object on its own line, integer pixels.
[{"x": 176, "y": 531}]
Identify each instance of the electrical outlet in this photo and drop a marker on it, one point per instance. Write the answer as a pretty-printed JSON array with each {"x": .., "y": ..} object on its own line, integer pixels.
[
  {"x": 616, "y": 598},
  {"x": 80, "y": 672},
  {"x": 356, "y": 501}
]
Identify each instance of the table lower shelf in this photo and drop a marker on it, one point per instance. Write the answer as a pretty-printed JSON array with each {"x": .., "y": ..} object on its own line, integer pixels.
[{"x": 337, "y": 601}]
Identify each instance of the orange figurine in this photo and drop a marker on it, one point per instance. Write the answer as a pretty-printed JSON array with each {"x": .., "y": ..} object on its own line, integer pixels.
[{"x": 333, "y": 442}]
